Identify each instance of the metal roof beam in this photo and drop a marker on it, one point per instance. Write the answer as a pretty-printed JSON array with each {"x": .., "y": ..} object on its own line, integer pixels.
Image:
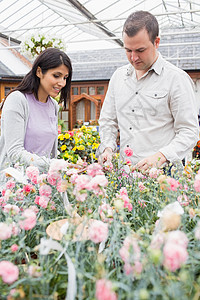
[{"x": 91, "y": 18}]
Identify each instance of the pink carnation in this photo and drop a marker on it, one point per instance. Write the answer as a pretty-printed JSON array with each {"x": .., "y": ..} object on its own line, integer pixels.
[
  {"x": 14, "y": 247},
  {"x": 32, "y": 173},
  {"x": 173, "y": 183},
  {"x": 141, "y": 186},
  {"x": 183, "y": 200},
  {"x": 34, "y": 271},
  {"x": 130, "y": 251},
  {"x": 82, "y": 182},
  {"x": 104, "y": 290},
  {"x": 197, "y": 183},
  {"x": 29, "y": 219},
  {"x": 177, "y": 237},
  {"x": 5, "y": 231},
  {"x": 43, "y": 201},
  {"x": 142, "y": 203},
  {"x": 128, "y": 151},
  {"x": 98, "y": 180},
  {"x": 53, "y": 177},
  {"x": 174, "y": 256},
  {"x": 58, "y": 165},
  {"x": 28, "y": 188},
  {"x": 81, "y": 196},
  {"x": 74, "y": 177},
  {"x": 19, "y": 196},
  {"x": 11, "y": 209},
  {"x": 42, "y": 178},
  {"x": 10, "y": 184},
  {"x": 105, "y": 212},
  {"x": 62, "y": 186},
  {"x": 135, "y": 268},
  {"x": 154, "y": 172},
  {"x": 123, "y": 191},
  {"x": 157, "y": 241},
  {"x": 98, "y": 231},
  {"x": 94, "y": 169},
  {"x": 45, "y": 190},
  {"x": 8, "y": 272},
  {"x": 128, "y": 205},
  {"x": 15, "y": 229}
]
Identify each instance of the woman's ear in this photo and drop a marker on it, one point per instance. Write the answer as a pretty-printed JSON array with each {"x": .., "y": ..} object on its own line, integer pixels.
[{"x": 39, "y": 72}]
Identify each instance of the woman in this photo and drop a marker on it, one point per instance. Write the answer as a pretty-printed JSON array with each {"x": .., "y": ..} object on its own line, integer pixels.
[{"x": 29, "y": 114}]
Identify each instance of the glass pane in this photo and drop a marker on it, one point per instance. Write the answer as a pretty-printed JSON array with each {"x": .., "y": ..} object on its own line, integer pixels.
[
  {"x": 93, "y": 110},
  {"x": 100, "y": 90},
  {"x": 65, "y": 115},
  {"x": 80, "y": 111},
  {"x": 91, "y": 90},
  {"x": 7, "y": 90},
  {"x": 67, "y": 125},
  {"x": 83, "y": 90},
  {"x": 75, "y": 91}
]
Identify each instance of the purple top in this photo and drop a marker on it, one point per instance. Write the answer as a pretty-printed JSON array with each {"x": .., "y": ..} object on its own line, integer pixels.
[{"x": 41, "y": 129}]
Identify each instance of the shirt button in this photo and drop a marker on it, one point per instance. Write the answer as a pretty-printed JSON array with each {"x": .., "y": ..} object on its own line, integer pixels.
[
  {"x": 136, "y": 93},
  {"x": 130, "y": 128},
  {"x": 133, "y": 110},
  {"x": 155, "y": 95}
]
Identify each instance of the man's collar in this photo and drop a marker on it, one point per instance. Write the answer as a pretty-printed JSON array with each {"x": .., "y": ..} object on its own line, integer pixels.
[{"x": 158, "y": 65}]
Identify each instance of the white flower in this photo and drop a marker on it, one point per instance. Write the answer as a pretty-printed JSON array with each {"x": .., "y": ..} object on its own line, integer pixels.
[
  {"x": 174, "y": 207},
  {"x": 31, "y": 44},
  {"x": 37, "y": 38},
  {"x": 38, "y": 49},
  {"x": 42, "y": 41}
]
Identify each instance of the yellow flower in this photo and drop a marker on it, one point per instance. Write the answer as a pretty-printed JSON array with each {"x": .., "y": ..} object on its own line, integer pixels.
[
  {"x": 93, "y": 155},
  {"x": 74, "y": 149},
  {"x": 76, "y": 140},
  {"x": 63, "y": 147},
  {"x": 95, "y": 146},
  {"x": 89, "y": 144},
  {"x": 66, "y": 155},
  {"x": 81, "y": 147},
  {"x": 61, "y": 137},
  {"x": 67, "y": 136}
]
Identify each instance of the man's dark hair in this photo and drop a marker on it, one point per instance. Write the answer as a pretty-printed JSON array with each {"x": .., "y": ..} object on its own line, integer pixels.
[{"x": 141, "y": 20}]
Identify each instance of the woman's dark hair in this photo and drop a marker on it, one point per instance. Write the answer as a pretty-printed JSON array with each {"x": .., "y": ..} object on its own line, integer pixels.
[
  {"x": 142, "y": 20},
  {"x": 48, "y": 59}
]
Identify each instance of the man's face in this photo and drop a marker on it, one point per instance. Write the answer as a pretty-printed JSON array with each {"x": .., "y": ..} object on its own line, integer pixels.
[{"x": 140, "y": 51}]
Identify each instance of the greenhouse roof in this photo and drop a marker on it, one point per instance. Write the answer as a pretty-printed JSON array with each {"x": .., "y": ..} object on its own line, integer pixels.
[{"x": 93, "y": 24}]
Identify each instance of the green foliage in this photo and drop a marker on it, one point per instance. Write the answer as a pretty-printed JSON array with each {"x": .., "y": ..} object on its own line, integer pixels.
[{"x": 92, "y": 261}]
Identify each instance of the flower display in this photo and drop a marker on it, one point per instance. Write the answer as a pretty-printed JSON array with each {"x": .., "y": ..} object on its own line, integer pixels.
[
  {"x": 81, "y": 231},
  {"x": 37, "y": 42},
  {"x": 79, "y": 145}
]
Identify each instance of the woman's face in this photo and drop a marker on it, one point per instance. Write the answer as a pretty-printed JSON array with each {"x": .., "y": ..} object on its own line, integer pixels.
[{"x": 51, "y": 82}]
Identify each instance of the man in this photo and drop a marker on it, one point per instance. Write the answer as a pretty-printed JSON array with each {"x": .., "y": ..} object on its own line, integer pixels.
[{"x": 150, "y": 101}]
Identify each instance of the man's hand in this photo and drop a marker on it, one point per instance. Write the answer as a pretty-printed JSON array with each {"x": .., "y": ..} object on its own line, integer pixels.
[
  {"x": 106, "y": 156},
  {"x": 155, "y": 160}
]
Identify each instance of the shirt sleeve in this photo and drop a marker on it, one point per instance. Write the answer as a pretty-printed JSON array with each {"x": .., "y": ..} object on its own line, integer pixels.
[
  {"x": 108, "y": 121},
  {"x": 184, "y": 112},
  {"x": 15, "y": 115}
]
